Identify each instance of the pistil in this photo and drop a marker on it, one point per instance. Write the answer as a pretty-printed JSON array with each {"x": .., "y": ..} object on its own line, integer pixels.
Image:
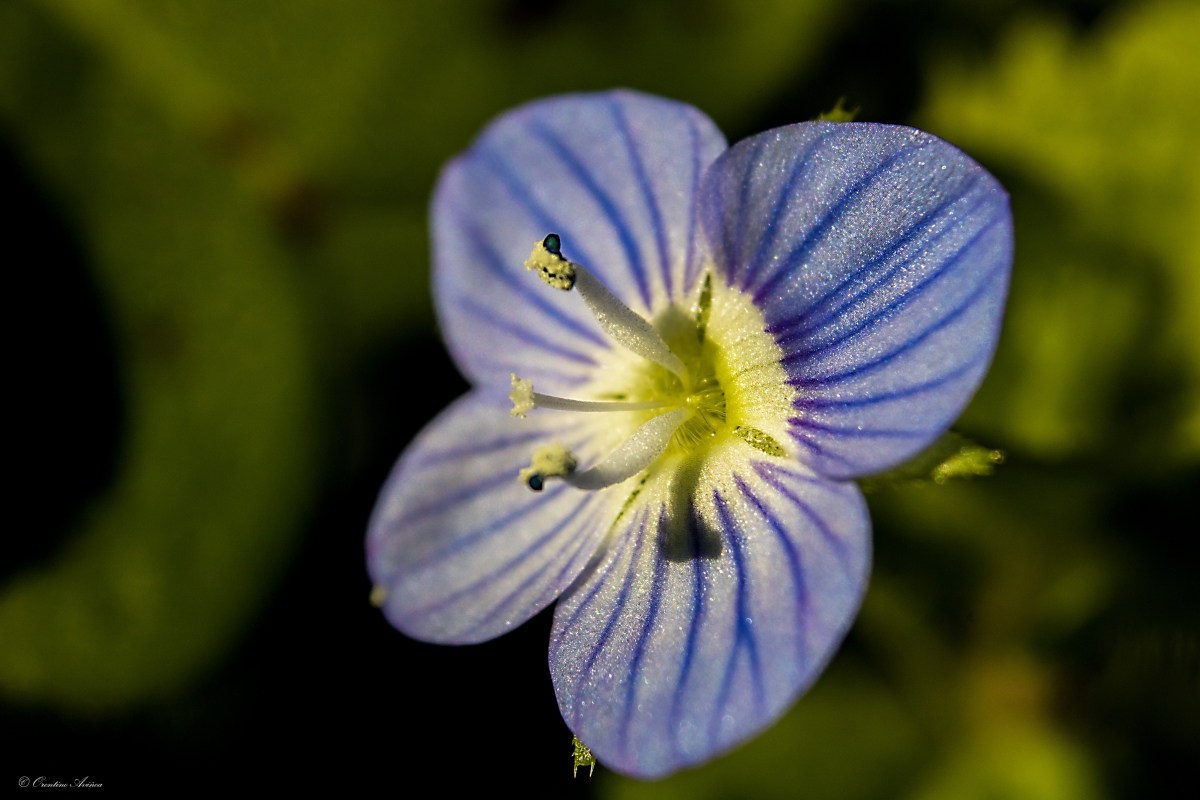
[{"x": 525, "y": 399}]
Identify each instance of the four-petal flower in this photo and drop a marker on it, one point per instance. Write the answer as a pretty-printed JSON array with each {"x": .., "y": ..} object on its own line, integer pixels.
[{"x": 823, "y": 299}]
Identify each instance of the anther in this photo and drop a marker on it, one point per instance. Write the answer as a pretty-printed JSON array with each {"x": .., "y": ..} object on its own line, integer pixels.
[
  {"x": 547, "y": 259},
  {"x": 551, "y": 461}
]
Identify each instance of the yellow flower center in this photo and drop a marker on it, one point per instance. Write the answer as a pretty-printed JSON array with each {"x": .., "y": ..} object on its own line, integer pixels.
[{"x": 684, "y": 389}]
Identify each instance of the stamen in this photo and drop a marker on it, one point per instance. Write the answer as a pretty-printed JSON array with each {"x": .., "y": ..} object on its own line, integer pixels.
[
  {"x": 554, "y": 270},
  {"x": 618, "y": 320},
  {"x": 635, "y": 454},
  {"x": 525, "y": 399}
]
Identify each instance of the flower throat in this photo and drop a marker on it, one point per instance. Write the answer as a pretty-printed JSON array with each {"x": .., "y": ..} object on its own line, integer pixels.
[{"x": 677, "y": 385}]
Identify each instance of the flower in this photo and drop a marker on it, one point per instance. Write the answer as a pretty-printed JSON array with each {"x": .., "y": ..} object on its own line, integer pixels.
[{"x": 755, "y": 326}]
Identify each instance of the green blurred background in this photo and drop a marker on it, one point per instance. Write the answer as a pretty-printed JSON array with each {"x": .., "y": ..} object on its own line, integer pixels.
[{"x": 220, "y": 336}]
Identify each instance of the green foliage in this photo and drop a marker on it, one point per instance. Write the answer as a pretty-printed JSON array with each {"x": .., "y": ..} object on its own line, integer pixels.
[
  {"x": 250, "y": 181},
  {"x": 839, "y": 112},
  {"x": 1080, "y": 327},
  {"x": 951, "y": 456},
  {"x": 1026, "y": 764},
  {"x": 217, "y": 470},
  {"x": 1102, "y": 131}
]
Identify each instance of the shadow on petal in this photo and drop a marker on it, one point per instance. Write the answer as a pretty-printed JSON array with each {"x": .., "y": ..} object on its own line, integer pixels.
[{"x": 686, "y": 535}]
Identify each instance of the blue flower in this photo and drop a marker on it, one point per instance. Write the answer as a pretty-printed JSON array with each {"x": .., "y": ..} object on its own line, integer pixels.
[{"x": 721, "y": 340}]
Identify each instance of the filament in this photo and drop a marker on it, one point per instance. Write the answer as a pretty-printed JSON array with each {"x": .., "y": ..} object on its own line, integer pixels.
[
  {"x": 566, "y": 404},
  {"x": 618, "y": 320},
  {"x": 525, "y": 399},
  {"x": 624, "y": 325},
  {"x": 635, "y": 454}
]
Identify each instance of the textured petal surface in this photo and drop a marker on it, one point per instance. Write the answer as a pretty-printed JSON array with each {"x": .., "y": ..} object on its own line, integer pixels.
[
  {"x": 465, "y": 550},
  {"x": 662, "y": 662},
  {"x": 880, "y": 257},
  {"x": 616, "y": 175}
]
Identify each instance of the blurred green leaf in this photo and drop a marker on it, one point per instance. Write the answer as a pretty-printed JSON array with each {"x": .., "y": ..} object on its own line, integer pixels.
[
  {"x": 951, "y": 456},
  {"x": 336, "y": 116},
  {"x": 1109, "y": 125},
  {"x": 375, "y": 95},
  {"x": 1022, "y": 764},
  {"x": 218, "y": 466},
  {"x": 1079, "y": 324},
  {"x": 849, "y": 738}
]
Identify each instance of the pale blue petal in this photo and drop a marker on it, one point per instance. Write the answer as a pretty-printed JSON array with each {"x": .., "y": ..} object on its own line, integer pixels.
[
  {"x": 660, "y": 663},
  {"x": 616, "y": 176},
  {"x": 880, "y": 257},
  {"x": 465, "y": 550}
]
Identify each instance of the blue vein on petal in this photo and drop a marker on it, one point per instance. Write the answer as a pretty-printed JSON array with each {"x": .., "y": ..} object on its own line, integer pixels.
[
  {"x": 734, "y": 254},
  {"x": 805, "y": 319},
  {"x": 805, "y": 322},
  {"x": 465, "y": 541},
  {"x": 639, "y": 171},
  {"x": 808, "y": 440},
  {"x": 508, "y": 566},
  {"x": 984, "y": 286},
  {"x": 543, "y": 220},
  {"x": 768, "y": 472},
  {"x": 435, "y": 457},
  {"x": 657, "y": 586},
  {"x": 815, "y": 234},
  {"x": 485, "y": 314},
  {"x": 899, "y": 394},
  {"x": 633, "y": 256},
  {"x": 865, "y": 433},
  {"x": 770, "y": 234},
  {"x": 458, "y": 496},
  {"x": 688, "y": 274},
  {"x": 600, "y": 580},
  {"x": 795, "y": 565},
  {"x": 618, "y": 606},
  {"x": 928, "y": 281},
  {"x": 583, "y": 542},
  {"x": 496, "y": 266},
  {"x": 745, "y": 636},
  {"x": 822, "y": 226},
  {"x": 689, "y": 650}
]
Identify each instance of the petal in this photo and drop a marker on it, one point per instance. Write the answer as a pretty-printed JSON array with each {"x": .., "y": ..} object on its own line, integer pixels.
[
  {"x": 614, "y": 174},
  {"x": 661, "y": 662},
  {"x": 880, "y": 257},
  {"x": 464, "y": 549}
]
